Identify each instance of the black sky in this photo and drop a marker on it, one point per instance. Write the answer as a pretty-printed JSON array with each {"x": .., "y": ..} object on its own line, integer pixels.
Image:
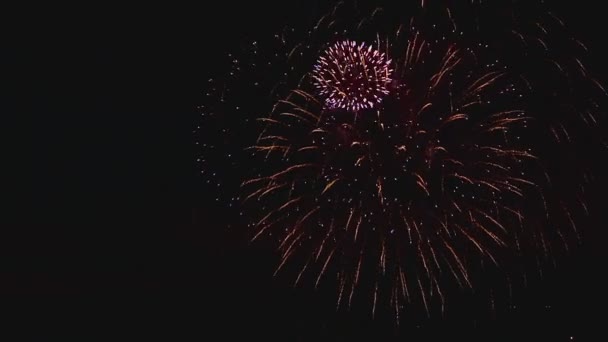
[{"x": 106, "y": 232}]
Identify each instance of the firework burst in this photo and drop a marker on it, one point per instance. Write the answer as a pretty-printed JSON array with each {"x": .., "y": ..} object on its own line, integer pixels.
[
  {"x": 352, "y": 76},
  {"x": 404, "y": 154},
  {"x": 429, "y": 177}
]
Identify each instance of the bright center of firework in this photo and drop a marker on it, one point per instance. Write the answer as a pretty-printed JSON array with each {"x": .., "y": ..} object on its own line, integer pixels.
[{"x": 352, "y": 76}]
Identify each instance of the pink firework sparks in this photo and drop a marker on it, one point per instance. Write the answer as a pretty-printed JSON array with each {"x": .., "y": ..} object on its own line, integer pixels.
[{"x": 352, "y": 76}]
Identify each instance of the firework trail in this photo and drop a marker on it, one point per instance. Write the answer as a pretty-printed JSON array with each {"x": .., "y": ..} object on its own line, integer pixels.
[{"x": 395, "y": 155}]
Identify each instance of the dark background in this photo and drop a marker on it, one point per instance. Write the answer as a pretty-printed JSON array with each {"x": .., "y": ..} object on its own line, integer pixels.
[{"x": 105, "y": 233}]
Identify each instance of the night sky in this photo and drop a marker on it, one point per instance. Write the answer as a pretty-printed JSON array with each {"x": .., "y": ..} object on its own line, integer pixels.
[{"x": 109, "y": 232}]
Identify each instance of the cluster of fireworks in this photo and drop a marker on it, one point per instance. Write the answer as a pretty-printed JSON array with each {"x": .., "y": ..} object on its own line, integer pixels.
[{"x": 405, "y": 160}]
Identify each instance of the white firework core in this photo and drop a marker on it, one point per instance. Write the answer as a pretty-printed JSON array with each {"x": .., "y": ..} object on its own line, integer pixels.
[{"x": 352, "y": 76}]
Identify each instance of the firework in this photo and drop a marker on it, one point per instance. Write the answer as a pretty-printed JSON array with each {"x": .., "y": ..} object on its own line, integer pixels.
[
  {"x": 425, "y": 177},
  {"x": 352, "y": 76},
  {"x": 402, "y": 155}
]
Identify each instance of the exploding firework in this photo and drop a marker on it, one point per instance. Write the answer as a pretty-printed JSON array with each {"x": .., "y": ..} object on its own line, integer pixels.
[
  {"x": 419, "y": 183},
  {"x": 402, "y": 155},
  {"x": 352, "y": 76}
]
